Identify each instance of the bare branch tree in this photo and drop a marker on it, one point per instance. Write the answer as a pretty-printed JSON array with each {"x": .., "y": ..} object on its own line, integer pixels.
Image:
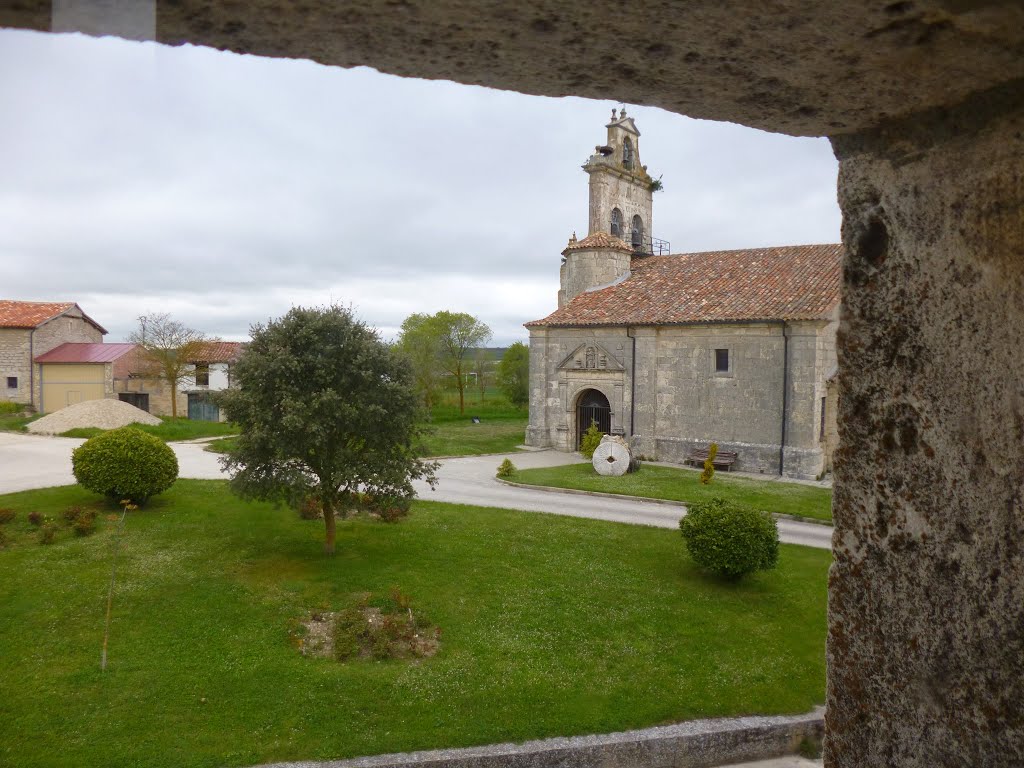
[{"x": 169, "y": 350}]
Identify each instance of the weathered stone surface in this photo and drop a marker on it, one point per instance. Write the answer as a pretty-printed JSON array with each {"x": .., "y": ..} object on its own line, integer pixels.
[
  {"x": 789, "y": 66},
  {"x": 926, "y": 596},
  {"x": 693, "y": 744},
  {"x": 612, "y": 457},
  {"x": 925, "y": 638}
]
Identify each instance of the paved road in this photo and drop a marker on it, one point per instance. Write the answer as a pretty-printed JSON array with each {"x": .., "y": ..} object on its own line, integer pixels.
[{"x": 33, "y": 461}]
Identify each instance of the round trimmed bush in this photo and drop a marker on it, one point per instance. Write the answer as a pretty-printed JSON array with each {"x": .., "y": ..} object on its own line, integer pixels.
[
  {"x": 125, "y": 463},
  {"x": 728, "y": 539}
]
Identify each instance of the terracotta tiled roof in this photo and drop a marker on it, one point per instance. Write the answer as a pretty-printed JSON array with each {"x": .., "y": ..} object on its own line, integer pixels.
[
  {"x": 597, "y": 240},
  {"x": 219, "y": 352},
  {"x": 71, "y": 352},
  {"x": 30, "y": 314},
  {"x": 796, "y": 282}
]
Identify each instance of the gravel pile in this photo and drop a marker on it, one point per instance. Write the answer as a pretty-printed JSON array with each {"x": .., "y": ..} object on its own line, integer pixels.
[{"x": 105, "y": 414}]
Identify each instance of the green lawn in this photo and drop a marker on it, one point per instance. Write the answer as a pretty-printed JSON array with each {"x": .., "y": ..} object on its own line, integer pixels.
[
  {"x": 501, "y": 428},
  {"x": 551, "y": 626},
  {"x": 171, "y": 429},
  {"x": 684, "y": 485}
]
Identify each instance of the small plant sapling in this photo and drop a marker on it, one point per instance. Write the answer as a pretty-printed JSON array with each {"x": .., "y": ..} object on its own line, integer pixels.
[
  {"x": 506, "y": 468},
  {"x": 709, "y": 465},
  {"x": 591, "y": 439}
]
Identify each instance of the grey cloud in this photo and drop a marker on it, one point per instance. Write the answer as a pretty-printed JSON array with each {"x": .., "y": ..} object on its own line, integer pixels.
[{"x": 229, "y": 187}]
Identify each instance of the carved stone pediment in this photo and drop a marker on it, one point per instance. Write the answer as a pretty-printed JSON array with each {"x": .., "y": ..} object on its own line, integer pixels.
[{"x": 590, "y": 356}]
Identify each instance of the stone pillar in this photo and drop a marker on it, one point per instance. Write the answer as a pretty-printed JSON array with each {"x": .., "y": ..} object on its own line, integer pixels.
[
  {"x": 926, "y": 595},
  {"x": 538, "y": 434}
]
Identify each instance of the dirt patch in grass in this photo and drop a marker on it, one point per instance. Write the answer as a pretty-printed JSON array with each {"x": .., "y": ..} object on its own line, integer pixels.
[{"x": 370, "y": 629}]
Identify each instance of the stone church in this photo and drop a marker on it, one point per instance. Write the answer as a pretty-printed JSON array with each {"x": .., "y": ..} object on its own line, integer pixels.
[{"x": 675, "y": 351}]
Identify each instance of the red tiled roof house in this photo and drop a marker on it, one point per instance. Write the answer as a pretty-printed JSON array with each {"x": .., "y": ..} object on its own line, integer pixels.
[
  {"x": 32, "y": 328},
  {"x": 675, "y": 351}
]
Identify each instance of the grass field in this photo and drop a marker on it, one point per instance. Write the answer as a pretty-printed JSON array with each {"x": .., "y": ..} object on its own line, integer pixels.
[
  {"x": 684, "y": 485},
  {"x": 501, "y": 427},
  {"x": 551, "y": 626},
  {"x": 171, "y": 429}
]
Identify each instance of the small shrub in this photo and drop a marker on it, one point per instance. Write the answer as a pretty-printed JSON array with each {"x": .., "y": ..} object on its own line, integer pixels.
[
  {"x": 310, "y": 509},
  {"x": 728, "y": 539},
  {"x": 125, "y": 463},
  {"x": 36, "y": 518},
  {"x": 85, "y": 523},
  {"x": 71, "y": 514},
  {"x": 709, "y": 464},
  {"x": 388, "y": 509},
  {"x": 6, "y": 515},
  {"x": 48, "y": 532},
  {"x": 591, "y": 439},
  {"x": 506, "y": 468},
  {"x": 7, "y": 408}
]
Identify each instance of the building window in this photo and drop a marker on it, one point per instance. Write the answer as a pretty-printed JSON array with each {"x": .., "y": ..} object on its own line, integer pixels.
[
  {"x": 616, "y": 222},
  {"x": 12, "y": 382},
  {"x": 627, "y": 153},
  {"x": 202, "y": 374},
  {"x": 822, "y": 437},
  {"x": 721, "y": 361}
]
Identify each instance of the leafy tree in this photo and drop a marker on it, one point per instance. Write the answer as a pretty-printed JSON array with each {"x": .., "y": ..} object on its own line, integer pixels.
[
  {"x": 420, "y": 343},
  {"x": 169, "y": 348},
  {"x": 514, "y": 374},
  {"x": 451, "y": 335},
  {"x": 457, "y": 333},
  {"x": 327, "y": 412}
]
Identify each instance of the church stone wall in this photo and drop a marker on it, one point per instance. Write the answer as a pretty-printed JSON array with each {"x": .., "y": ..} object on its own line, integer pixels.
[{"x": 681, "y": 402}]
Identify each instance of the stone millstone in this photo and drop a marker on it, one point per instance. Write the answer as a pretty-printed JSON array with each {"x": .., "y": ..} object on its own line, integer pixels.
[{"x": 612, "y": 458}]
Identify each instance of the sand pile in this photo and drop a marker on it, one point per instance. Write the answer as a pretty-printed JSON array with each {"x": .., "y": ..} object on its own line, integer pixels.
[{"x": 105, "y": 414}]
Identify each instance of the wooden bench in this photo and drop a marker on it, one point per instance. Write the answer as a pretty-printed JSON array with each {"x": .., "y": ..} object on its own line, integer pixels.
[{"x": 722, "y": 458}]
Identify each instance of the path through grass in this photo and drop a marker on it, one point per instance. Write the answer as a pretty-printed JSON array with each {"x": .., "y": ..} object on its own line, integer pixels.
[{"x": 551, "y": 626}]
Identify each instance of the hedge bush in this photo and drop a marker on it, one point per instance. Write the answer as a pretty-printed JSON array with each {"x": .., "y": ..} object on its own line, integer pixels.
[
  {"x": 729, "y": 539},
  {"x": 125, "y": 463}
]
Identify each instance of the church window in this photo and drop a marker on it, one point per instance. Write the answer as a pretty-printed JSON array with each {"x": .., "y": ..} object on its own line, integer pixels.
[
  {"x": 821, "y": 432},
  {"x": 616, "y": 222},
  {"x": 638, "y": 233},
  {"x": 721, "y": 361},
  {"x": 627, "y": 153}
]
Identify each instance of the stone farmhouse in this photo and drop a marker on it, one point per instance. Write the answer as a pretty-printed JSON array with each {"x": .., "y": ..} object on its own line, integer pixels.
[
  {"x": 675, "y": 351},
  {"x": 29, "y": 329},
  {"x": 52, "y": 355}
]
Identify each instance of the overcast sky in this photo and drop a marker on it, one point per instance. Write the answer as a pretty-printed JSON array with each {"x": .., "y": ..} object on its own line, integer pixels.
[{"x": 224, "y": 189}]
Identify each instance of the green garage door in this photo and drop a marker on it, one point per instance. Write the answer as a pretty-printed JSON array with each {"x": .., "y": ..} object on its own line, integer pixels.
[{"x": 200, "y": 408}]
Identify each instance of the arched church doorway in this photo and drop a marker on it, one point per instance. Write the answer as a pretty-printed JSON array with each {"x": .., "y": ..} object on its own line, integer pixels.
[{"x": 592, "y": 406}]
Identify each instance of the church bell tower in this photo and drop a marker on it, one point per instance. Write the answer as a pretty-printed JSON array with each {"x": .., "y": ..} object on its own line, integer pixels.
[
  {"x": 620, "y": 187},
  {"x": 620, "y": 215}
]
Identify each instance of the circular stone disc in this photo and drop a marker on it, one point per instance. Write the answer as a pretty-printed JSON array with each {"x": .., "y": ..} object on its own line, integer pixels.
[{"x": 611, "y": 458}]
